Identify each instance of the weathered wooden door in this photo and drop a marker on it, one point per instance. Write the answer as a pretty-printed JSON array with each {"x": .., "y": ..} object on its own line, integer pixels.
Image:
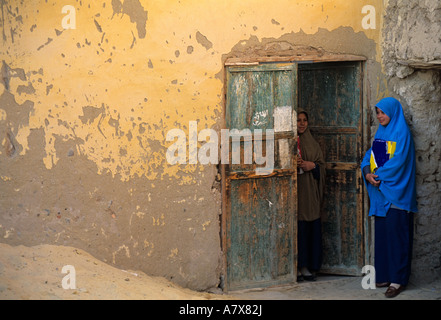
[
  {"x": 331, "y": 93},
  {"x": 259, "y": 218}
]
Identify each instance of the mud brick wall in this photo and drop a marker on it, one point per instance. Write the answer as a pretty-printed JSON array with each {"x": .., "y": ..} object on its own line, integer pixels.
[{"x": 411, "y": 33}]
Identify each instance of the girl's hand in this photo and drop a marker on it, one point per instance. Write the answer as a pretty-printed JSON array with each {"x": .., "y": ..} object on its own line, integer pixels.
[
  {"x": 299, "y": 161},
  {"x": 370, "y": 177},
  {"x": 306, "y": 165}
]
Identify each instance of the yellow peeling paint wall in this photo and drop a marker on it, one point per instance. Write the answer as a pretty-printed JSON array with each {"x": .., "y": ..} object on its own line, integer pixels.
[{"x": 88, "y": 92}]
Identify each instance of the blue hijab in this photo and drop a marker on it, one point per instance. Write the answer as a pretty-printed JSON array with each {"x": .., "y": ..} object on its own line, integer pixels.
[{"x": 396, "y": 170}]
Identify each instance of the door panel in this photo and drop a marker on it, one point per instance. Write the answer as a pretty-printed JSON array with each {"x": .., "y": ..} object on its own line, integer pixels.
[
  {"x": 260, "y": 210},
  {"x": 261, "y": 246},
  {"x": 331, "y": 93}
]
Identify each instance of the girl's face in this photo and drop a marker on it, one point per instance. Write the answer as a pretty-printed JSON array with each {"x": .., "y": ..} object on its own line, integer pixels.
[
  {"x": 382, "y": 117},
  {"x": 302, "y": 123}
]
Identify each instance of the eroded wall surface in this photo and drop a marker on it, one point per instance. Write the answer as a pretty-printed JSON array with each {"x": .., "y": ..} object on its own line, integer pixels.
[
  {"x": 412, "y": 33},
  {"x": 84, "y": 114}
]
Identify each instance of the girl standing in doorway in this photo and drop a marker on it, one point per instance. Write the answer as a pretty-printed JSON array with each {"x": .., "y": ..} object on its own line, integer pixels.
[{"x": 310, "y": 182}]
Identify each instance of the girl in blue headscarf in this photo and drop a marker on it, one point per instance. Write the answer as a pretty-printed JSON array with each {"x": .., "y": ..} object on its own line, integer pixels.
[{"x": 389, "y": 174}]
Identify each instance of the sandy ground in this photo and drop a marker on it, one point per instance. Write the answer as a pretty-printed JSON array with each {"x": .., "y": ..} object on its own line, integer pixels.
[
  {"x": 36, "y": 273},
  {"x": 328, "y": 287}
]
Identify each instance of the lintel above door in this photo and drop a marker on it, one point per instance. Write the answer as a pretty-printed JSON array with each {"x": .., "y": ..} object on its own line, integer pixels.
[{"x": 299, "y": 57}]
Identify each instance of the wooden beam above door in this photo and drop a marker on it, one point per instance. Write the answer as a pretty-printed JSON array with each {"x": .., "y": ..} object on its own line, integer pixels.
[{"x": 313, "y": 58}]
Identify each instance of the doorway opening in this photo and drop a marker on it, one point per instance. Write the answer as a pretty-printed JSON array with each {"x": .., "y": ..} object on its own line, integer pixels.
[{"x": 259, "y": 212}]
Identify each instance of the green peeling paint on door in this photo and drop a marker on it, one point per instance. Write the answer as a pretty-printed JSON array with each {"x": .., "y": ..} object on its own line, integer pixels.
[
  {"x": 261, "y": 209},
  {"x": 260, "y": 212}
]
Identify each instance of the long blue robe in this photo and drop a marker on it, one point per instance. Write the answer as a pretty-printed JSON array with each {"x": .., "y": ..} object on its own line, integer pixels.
[{"x": 394, "y": 165}]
